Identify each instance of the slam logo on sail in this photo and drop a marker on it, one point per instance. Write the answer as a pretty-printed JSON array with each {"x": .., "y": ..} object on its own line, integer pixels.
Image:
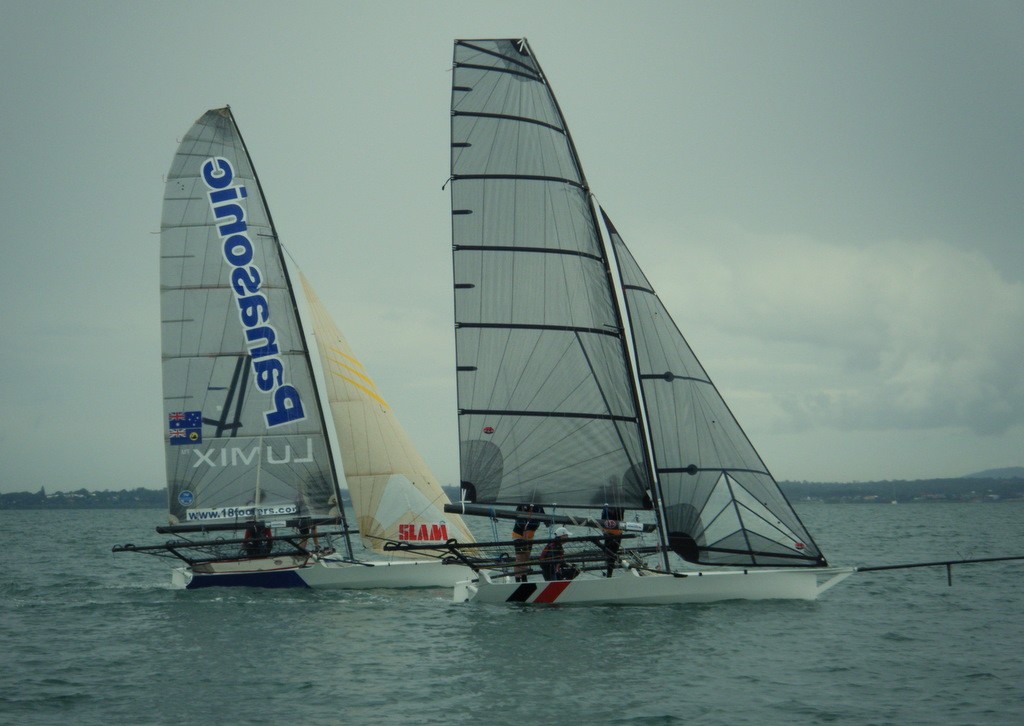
[
  {"x": 246, "y": 278},
  {"x": 423, "y": 532}
]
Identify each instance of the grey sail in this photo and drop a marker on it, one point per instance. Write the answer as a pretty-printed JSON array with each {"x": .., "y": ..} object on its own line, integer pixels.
[
  {"x": 722, "y": 505},
  {"x": 547, "y": 414},
  {"x": 243, "y": 426}
]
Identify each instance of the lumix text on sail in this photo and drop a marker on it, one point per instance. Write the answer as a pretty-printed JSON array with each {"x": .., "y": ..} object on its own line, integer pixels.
[{"x": 246, "y": 278}]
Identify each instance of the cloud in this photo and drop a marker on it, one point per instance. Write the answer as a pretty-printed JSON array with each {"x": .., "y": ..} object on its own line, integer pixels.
[{"x": 884, "y": 335}]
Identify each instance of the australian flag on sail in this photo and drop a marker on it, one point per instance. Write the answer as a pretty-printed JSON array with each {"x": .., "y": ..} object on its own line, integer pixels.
[{"x": 185, "y": 427}]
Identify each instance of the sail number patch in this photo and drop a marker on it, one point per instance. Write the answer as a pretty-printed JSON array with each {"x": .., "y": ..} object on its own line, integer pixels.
[{"x": 246, "y": 279}]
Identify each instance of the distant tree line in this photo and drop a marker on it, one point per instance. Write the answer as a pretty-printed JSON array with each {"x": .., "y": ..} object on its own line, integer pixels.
[
  {"x": 84, "y": 499},
  {"x": 919, "y": 490}
]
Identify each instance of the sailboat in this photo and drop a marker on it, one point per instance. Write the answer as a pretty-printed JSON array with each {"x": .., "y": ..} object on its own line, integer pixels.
[
  {"x": 255, "y": 493},
  {"x": 576, "y": 390}
]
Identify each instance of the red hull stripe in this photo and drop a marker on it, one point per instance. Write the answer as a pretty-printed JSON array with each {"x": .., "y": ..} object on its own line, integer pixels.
[{"x": 552, "y": 591}]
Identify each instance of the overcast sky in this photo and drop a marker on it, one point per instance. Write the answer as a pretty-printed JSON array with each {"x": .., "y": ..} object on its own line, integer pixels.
[{"x": 829, "y": 198}]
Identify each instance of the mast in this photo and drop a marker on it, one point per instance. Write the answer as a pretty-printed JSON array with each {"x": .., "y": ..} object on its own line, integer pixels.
[
  {"x": 629, "y": 343},
  {"x": 302, "y": 334},
  {"x": 647, "y": 452}
]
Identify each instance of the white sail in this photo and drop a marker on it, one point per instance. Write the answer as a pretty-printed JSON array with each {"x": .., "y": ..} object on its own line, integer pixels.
[
  {"x": 575, "y": 388},
  {"x": 251, "y": 475},
  {"x": 394, "y": 494},
  {"x": 244, "y": 431}
]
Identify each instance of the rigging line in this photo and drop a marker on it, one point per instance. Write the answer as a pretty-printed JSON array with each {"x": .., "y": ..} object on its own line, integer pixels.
[
  {"x": 739, "y": 517},
  {"x": 568, "y": 465},
  {"x": 788, "y": 533}
]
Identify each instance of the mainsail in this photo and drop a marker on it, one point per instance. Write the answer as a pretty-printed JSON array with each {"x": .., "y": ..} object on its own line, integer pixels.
[
  {"x": 546, "y": 412},
  {"x": 394, "y": 494},
  {"x": 243, "y": 426},
  {"x": 554, "y": 407}
]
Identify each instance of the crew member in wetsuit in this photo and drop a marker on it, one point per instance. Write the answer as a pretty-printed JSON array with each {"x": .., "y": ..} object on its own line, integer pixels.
[
  {"x": 522, "y": 534},
  {"x": 610, "y": 518},
  {"x": 552, "y": 558},
  {"x": 258, "y": 539}
]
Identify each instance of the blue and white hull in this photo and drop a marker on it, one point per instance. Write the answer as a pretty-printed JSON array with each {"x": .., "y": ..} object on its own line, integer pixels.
[{"x": 325, "y": 573}]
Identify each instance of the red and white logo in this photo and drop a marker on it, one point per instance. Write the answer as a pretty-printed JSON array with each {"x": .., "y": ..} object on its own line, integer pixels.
[{"x": 423, "y": 532}]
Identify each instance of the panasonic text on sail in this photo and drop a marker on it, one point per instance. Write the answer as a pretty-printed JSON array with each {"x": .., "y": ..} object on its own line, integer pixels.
[{"x": 226, "y": 203}]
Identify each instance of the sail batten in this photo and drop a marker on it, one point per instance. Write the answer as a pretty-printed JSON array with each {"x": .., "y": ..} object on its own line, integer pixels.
[{"x": 521, "y": 177}]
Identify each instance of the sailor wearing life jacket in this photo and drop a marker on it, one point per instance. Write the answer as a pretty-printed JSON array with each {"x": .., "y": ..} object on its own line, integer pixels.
[
  {"x": 610, "y": 518},
  {"x": 522, "y": 535}
]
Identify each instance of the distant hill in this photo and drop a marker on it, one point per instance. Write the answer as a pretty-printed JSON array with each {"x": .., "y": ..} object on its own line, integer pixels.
[
  {"x": 974, "y": 489},
  {"x": 1009, "y": 472}
]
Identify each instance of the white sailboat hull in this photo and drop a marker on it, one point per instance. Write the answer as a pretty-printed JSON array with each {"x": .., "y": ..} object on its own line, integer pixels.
[
  {"x": 635, "y": 588},
  {"x": 321, "y": 574}
]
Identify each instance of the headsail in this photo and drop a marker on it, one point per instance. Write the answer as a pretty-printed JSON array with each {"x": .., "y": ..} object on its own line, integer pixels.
[
  {"x": 722, "y": 506},
  {"x": 547, "y": 413},
  {"x": 394, "y": 494},
  {"x": 244, "y": 431}
]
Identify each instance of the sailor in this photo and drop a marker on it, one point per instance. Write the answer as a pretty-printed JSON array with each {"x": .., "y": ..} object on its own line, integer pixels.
[
  {"x": 522, "y": 535},
  {"x": 552, "y": 558},
  {"x": 306, "y": 530},
  {"x": 610, "y": 518},
  {"x": 258, "y": 539}
]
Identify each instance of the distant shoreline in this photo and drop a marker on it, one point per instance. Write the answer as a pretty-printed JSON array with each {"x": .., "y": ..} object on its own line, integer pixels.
[{"x": 966, "y": 489}]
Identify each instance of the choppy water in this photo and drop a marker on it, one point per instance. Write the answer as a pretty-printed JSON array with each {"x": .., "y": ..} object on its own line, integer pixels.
[{"x": 88, "y": 637}]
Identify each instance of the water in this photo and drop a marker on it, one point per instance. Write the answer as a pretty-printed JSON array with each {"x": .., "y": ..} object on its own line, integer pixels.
[{"x": 88, "y": 637}]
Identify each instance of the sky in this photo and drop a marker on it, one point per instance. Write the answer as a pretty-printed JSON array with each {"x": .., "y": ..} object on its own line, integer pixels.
[{"x": 828, "y": 197}]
